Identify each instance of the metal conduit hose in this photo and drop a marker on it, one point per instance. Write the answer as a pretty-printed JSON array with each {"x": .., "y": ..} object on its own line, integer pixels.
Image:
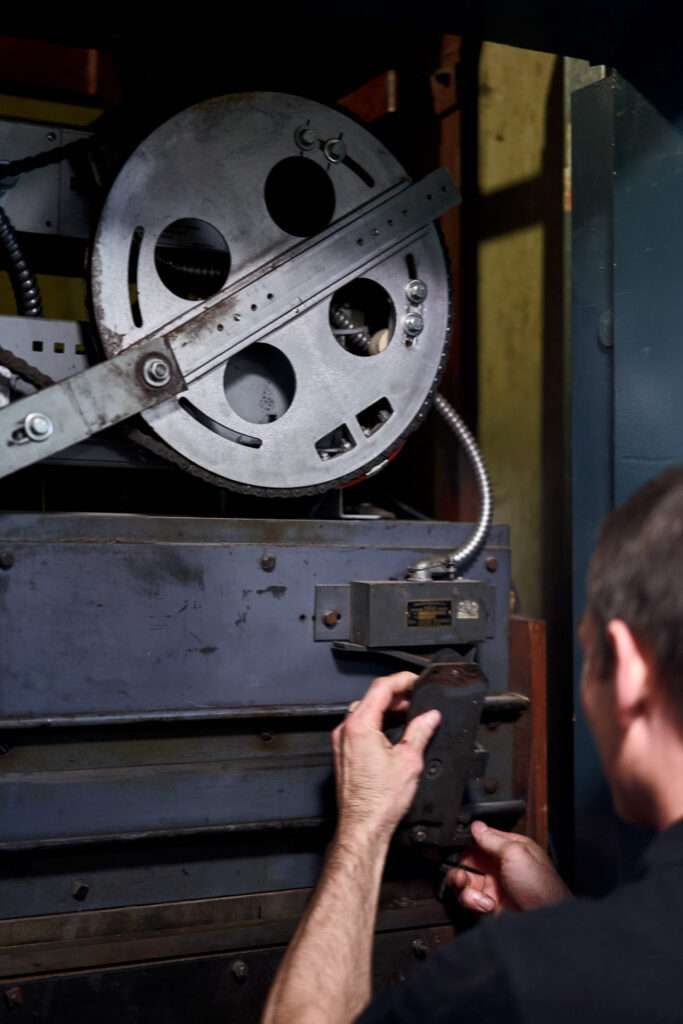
[
  {"x": 24, "y": 284},
  {"x": 455, "y": 562}
]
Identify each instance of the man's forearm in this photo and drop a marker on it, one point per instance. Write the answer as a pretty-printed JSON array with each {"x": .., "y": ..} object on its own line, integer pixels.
[{"x": 325, "y": 975}]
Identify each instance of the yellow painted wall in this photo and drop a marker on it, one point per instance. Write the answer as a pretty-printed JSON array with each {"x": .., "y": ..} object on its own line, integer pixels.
[{"x": 514, "y": 89}]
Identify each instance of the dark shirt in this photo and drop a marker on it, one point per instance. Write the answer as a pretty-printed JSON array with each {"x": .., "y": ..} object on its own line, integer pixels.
[{"x": 619, "y": 958}]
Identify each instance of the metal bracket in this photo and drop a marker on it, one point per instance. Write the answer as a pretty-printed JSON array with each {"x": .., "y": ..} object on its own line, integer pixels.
[{"x": 458, "y": 690}]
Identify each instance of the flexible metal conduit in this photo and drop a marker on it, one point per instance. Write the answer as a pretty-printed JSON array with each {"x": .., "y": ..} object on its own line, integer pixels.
[
  {"x": 457, "y": 560},
  {"x": 24, "y": 284}
]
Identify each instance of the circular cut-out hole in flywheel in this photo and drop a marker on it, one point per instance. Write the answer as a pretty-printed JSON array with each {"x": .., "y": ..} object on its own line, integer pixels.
[
  {"x": 362, "y": 317},
  {"x": 259, "y": 383},
  {"x": 300, "y": 196},
  {"x": 192, "y": 258}
]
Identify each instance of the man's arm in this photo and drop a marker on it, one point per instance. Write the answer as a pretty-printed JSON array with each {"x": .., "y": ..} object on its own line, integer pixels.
[{"x": 325, "y": 975}]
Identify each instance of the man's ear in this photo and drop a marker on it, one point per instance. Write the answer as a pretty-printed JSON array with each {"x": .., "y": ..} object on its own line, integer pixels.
[{"x": 631, "y": 680}]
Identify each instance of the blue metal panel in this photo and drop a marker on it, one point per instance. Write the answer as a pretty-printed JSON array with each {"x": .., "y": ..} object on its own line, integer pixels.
[
  {"x": 648, "y": 297},
  {"x": 592, "y": 434},
  {"x": 123, "y": 624},
  {"x": 627, "y": 363},
  {"x": 136, "y": 615}
]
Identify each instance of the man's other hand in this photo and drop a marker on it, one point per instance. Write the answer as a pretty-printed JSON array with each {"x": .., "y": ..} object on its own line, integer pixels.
[
  {"x": 376, "y": 780},
  {"x": 511, "y": 872}
]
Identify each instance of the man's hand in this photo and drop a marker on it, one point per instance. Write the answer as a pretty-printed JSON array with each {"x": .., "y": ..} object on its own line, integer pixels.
[
  {"x": 513, "y": 873},
  {"x": 376, "y": 780}
]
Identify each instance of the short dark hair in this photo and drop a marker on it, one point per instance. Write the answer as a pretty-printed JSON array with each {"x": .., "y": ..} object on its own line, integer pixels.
[{"x": 636, "y": 575}]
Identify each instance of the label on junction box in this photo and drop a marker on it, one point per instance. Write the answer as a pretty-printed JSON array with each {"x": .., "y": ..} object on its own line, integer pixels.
[{"x": 430, "y": 614}]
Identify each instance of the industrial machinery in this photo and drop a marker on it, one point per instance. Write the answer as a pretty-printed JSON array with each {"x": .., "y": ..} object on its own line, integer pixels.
[{"x": 270, "y": 311}]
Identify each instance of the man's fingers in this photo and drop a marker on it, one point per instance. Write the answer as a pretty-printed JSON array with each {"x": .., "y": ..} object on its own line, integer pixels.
[
  {"x": 491, "y": 839},
  {"x": 380, "y": 697},
  {"x": 477, "y": 901},
  {"x": 461, "y": 878},
  {"x": 399, "y": 704},
  {"x": 420, "y": 731}
]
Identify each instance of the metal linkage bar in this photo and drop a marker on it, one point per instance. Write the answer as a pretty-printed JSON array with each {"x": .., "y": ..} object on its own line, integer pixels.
[
  {"x": 308, "y": 273},
  {"x": 227, "y": 714},
  {"x": 163, "y": 364},
  {"x": 56, "y": 418}
]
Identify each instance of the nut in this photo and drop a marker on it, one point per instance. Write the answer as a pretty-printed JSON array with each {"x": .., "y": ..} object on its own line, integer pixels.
[
  {"x": 6, "y": 560},
  {"x": 79, "y": 891},
  {"x": 416, "y": 290},
  {"x": 413, "y": 324},
  {"x": 240, "y": 970},
  {"x": 156, "y": 372},
  {"x": 335, "y": 150},
  {"x": 306, "y": 137},
  {"x": 37, "y": 426}
]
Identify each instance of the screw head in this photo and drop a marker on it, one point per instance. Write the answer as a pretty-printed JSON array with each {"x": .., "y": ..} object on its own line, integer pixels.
[
  {"x": 491, "y": 564},
  {"x": 52, "y": 136},
  {"x": 420, "y": 948},
  {"x": 156, "y": 372},
  {"x": 79, "y": 891},
  {"x": 38, "y": 426},
  {"x": 240, "y": 970},
  {"x": 490, "y": 785},
  {"x": 416, "y": 290},
  {"x": 6, "y": 560},
  {"x": 334, "y": 150},
  {"x": 331, "y": 618},
  {"x": 418, "y": 834},
  {"x": 268, "y": 563},
  {"x": 434, "y": 769},
  {"x": 306, "y": 137},
  {"x": 413, "y": 324}
]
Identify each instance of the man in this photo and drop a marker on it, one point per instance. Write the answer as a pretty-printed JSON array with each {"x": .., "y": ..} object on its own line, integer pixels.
[{"x": 615, "y": 959}]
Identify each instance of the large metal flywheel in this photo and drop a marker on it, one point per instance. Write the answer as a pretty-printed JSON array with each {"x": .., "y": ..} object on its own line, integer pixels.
[{"x": 217, "y": 198}]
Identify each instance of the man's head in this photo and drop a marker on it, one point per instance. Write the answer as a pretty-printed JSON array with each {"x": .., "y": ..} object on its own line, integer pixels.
[{"x": 632, "y": 634}]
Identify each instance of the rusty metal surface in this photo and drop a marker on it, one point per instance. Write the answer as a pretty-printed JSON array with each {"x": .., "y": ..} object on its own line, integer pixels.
[
  {"x": 112, "y": 619},
  {"x": 185, "y": 617},
  {"x": 210, "y": 989},
  {"x": 91, "y": 939},
  {"x": 396, "y": 535}
]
